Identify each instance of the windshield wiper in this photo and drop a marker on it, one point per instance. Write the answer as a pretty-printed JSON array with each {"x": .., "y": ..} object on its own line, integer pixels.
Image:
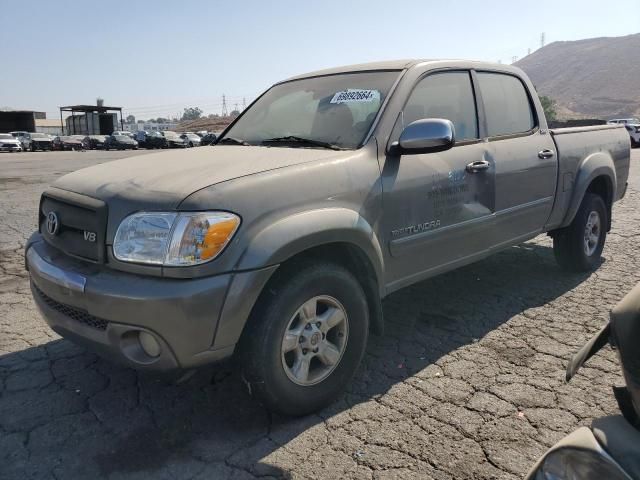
[
  {"x": 234, "y": 141},
  {"x": 292, "y": 139}
]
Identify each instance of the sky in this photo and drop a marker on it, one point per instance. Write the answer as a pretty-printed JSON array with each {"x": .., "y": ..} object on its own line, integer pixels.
[{"x": 154, "y": 58}]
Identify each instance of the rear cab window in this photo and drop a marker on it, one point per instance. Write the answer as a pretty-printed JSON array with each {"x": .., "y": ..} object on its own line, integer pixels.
[{"x": 507, "y": 106}]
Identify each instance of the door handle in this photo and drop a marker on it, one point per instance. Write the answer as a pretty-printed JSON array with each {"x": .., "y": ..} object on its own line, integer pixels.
[
  {"x": 478, "y": 166},
  {"x": 546, "y": 153}
]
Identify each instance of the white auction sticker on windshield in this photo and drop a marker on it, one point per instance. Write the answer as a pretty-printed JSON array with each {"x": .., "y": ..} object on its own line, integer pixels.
[{"x": 355, "y": 95}]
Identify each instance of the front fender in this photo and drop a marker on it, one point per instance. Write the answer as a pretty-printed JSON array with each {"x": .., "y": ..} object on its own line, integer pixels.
[
  {"x": 299, "y": 232},
  {"x": 594, "y": 166}
]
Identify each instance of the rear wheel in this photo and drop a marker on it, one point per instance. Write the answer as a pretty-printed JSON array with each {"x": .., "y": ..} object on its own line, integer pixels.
[
  {"x": 305, "y": 339},
  {"x": 579, "y": 247}
]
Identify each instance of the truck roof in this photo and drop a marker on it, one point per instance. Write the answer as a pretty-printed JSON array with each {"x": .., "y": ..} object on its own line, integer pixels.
[{"x": 403, "y": 64}]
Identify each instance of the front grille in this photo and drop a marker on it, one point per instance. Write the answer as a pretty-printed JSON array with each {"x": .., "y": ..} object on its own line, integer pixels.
[
  {"x": 82, "y": 224},
  {"x": 73, "y": 313}
]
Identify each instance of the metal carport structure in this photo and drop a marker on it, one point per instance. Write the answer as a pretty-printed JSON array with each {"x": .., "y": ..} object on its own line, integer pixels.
[{"x": 86, "y": 109}]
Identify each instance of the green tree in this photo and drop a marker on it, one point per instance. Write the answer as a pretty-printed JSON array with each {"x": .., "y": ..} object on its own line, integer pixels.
[
  {"x": 191, "y": 113},
  {"x": 131, "y": 119},
  {"x": 549, "y": 107}
]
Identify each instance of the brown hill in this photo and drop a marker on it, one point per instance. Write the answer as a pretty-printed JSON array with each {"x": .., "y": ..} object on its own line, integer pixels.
[
  {"x": 211, "y": 124},
  {"x": 597, "y": 77}
]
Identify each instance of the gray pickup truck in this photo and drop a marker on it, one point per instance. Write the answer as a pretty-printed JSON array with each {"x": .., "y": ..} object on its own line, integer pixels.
[{"x": 332, "y": 190}]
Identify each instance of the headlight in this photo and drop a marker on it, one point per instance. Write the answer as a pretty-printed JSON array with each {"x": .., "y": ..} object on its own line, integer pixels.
[{"x": 174, "y": 239}]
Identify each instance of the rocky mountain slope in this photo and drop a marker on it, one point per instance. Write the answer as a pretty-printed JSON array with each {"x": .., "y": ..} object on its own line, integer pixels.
[{"x": 596, "y": 77}]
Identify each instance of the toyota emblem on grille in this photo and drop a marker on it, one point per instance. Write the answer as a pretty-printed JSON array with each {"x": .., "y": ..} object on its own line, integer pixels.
[{"x": 53, "y": 224}]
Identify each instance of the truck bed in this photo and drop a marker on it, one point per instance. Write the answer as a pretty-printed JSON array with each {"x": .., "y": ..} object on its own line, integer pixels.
[{"x": 574, "y": 147}]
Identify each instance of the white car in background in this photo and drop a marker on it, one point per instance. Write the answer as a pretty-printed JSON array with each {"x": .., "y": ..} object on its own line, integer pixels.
[
  {"x": 633, "y": 127},
  {"x": 192, "y": 139},
  {"x": 8, "y": 143}
]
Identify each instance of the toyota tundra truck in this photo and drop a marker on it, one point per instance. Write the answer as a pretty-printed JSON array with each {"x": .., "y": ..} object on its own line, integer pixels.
[{"x": 274, "y": 247}]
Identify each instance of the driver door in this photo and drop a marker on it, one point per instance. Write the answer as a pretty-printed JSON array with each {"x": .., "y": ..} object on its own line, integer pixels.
[{"x": 437, "y": 209}]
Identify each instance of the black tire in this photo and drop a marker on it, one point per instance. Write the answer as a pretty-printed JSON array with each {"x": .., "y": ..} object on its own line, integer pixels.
[
  {"x": 33, "y": 147},
  {"x": 570, "y": 246},
  {"x": 261, "y": 348}
]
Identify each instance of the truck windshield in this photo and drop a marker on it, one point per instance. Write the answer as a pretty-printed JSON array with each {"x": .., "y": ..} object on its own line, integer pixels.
[{"x": 330, "y": 111}]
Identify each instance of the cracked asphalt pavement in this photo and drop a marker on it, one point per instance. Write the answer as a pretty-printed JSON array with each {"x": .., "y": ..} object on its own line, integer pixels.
[{"x": 468, "y": 381}]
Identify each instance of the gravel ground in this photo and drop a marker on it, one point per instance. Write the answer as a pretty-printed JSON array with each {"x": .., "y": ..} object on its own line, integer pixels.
[{"x": 467, "y": 383}]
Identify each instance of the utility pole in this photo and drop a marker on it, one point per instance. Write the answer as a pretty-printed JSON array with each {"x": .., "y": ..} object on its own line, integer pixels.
[
  {"x": 236, "y": 107},
  {"x": 529, "y": 51},
  {"x": 542, "y": 39},
  {"x": 244, "y": 103},
  {"x": 514, "y": 59},
  {"x": 224, "y": 106}
]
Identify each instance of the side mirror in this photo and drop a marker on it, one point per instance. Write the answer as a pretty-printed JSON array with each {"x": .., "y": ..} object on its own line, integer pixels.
[{"x": 425, "y": 136}]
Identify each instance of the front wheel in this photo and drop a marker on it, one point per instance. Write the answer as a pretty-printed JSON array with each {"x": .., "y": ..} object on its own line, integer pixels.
[
  {"x": 578, "y": 247},
  {"x": 305, "y": 338}
]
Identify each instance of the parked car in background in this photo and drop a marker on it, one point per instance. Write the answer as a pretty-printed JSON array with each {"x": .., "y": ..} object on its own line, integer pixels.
[
  {"x": 18, "y": 134},
  {"x": 633, "y": 127},
  {"x": 192, "y": 139},
  {"x": 126, "y": 133},
  {"x": 9, "y": 143},
  {"x": 154, "y": 140},
  {"x": 141, "y": 137},
  {"x": 85, "y": 145},
  {"x": 120, "y": 142},
  {"x": 208, "y": 139},
  {"x": 201, "y": 133},
  {"x": 33, "y": 141},
  {"x": 67, "y": 142},
  {"x": 94, "y": 142},
  {"x": 173, "y": 140}
]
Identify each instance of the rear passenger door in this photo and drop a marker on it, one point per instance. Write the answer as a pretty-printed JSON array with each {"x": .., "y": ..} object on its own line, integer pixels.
[{"x": 524, "y": 157}]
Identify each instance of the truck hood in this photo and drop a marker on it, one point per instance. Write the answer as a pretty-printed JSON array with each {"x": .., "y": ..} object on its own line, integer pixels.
[{"x": 162, "y": 180}]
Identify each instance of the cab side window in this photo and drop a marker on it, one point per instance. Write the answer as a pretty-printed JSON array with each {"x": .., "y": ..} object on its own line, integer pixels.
[
  {"x": 447, "y": 95},
  {"x": 506, "y": 104}
]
